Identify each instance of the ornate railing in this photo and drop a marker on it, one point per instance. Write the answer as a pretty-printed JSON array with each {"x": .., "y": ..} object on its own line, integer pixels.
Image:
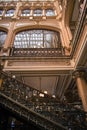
[
  {"x": 38, "y": 52},
  {"x": 39, "y": 108}
]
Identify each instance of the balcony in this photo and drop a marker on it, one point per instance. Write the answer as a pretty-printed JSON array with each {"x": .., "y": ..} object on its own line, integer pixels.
[{"x": 37, "y": 52}]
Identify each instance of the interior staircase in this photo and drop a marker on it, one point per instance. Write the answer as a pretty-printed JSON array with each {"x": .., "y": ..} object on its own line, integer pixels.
[{"x": 34, "y": 106}]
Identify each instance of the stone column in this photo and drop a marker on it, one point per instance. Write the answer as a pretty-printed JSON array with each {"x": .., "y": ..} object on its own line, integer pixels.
[
  {"x": 9, "y": 36},
  {"x": 82, "y": 87}
]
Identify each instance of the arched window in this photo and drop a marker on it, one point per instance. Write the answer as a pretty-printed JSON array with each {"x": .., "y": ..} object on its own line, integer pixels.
[
  {"x": 9, "y": 13},
  {"x": 37, "y": 12},
  {"x": 37, "y": 39},
  {"x": 50, "y": 12},
  {"x": 1, "y": 12},
  {"x": 2, "y": 37},
  {"x": 25, "y": 12}
]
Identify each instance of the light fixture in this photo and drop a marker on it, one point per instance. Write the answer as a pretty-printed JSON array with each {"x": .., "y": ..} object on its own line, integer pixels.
[
  {"x": 53, "y": 96},
  {"x": 13, "y": 76},
  {"x": 45, "y": 92},
  {"x": 41, "y": 95},
  {"x": 26, "y": 97},
  {"x": 34, "y": 94}
]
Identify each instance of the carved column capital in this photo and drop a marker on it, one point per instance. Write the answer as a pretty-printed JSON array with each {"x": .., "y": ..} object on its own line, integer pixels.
[{"x": 78, "y": 73}]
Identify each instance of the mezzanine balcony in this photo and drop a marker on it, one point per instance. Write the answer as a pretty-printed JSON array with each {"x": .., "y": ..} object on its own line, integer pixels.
[{"x": 38, "y": 52}]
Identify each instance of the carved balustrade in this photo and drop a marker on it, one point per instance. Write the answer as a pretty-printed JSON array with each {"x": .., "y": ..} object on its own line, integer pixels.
[{"x": 38, "y": 52}]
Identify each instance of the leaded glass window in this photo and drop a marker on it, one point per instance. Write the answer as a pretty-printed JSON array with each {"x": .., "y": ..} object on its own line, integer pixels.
[
  {"x": 37, "y": 39},
  {"x": 25, "y": 12},
  {"x": 9, "y": 13},
  {"x": 1, "y": 12},
  {"x": 50, "y": 12},
  {"x": 37, "y": 12},
  {"x": 2, "y": 37}
]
